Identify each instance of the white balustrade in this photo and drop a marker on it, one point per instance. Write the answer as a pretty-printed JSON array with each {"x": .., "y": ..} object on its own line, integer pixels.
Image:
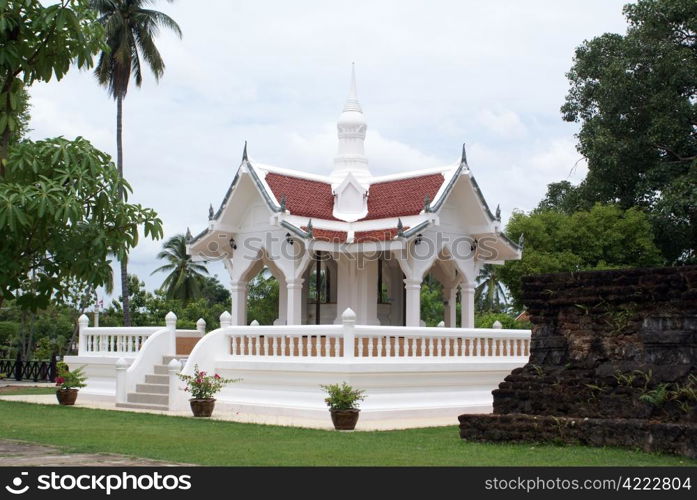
[
  {"x": 375, "y": 342},
  {"x": 113, "y": 341}
]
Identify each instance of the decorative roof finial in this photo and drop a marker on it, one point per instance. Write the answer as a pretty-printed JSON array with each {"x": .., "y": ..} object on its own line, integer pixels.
[
  {"x": 427, "y": 203},
  {"x": 400, "y": 227},
  {"x": 464, "y": 154},
  {"x": 352, "y": 103},
  {"x": 498, "y": 213},
  {"x": 283, "y": 203},
  {"x": 188, "y": 235},
  {"x": 309, "y": 227},
  {"x": 211, "y": 213},
  {"x": 521, "y": 240},
  {"x": 244, "y": 153}
]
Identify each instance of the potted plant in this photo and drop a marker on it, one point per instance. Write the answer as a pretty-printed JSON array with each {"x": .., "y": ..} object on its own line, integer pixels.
[
  {"x": 202, "y": 388},
  {"x": 343, "y": 401},
  {"x": 68, "y": 383}
]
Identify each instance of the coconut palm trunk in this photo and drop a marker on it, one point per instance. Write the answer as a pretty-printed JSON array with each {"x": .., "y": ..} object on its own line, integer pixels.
[{"x": 119, "y": 165}]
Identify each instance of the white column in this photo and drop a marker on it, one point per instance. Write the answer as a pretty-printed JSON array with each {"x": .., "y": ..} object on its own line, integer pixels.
[
  {"x": 238, "y": 296},
  {"x": 450, "y": 309},
  {"x": 294, "y": 308},
  {"x": 282, "y": 302},
  {"x": 467, "y": 306},
  {"x": 413, "y": 305},
  {"x": 173, "y": 368},
  {"x": 171, "y": 322},
  {"x": 83, "y": 322},
  {"x": 121, "y": 381}
]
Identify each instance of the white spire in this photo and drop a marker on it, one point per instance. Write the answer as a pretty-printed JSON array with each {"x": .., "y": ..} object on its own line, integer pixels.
[{"x": 351, "y": 129}]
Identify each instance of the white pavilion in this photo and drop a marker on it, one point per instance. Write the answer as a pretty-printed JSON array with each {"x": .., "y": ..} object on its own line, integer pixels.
[{"x": 353, "y": 240}]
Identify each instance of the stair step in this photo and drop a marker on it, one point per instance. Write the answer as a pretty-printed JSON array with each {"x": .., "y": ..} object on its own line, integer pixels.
[
  {"x": 161, "y": 370},
  {"x": 152, "y": 388},
  {"x": 182, "y": 358},
  {"x": 157, "y": 379},
  {"x": 147, "y": 398},
  {"x": 142, "y": 406}
]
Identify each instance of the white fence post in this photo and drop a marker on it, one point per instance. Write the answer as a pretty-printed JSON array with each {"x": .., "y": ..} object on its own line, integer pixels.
[
  {"x": 348, "y": 318},
  {"x": 173, "y": 368},
  {"x": 201, "y": 326},
  {"x": 254, "y": 323},
  {"x": 497, "y": 325},
  {"x": 171, "y": 322},
  {"x": 83, "y": 322},
  {"x": 225, "y": 320},
  {"x": 121, "y": 380}
]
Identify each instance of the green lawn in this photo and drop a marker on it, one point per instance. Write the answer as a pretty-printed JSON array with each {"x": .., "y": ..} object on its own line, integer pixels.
[
  {"x": 210, "y": 442},
  {"x": 18, "y": 390}
]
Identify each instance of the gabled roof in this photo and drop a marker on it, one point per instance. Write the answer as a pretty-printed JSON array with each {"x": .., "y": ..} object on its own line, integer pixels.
[{"x": 394, "y": 198}]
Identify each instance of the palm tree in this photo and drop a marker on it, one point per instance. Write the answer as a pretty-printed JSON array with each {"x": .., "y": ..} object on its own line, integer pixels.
[
  {"x": 130, "y": 30},
  {"x": 489, "y": 294},
  {"x": 185, "y": 276}
]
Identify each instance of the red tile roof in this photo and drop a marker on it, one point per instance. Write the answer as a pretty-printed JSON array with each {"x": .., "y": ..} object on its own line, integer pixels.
[
  {"x": 328, "y": 235},
  {"x": 377, "y": 235},
  {"x": 304, "y": 197},
  {"x": 314, "y": 199},
  {"x": 402, "y": 197}
]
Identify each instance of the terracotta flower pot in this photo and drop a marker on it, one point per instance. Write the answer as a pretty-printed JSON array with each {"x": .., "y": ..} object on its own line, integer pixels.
[
  {"x": 345, "y": 420},
  {"x": 202, "y": 407},
  {"x": 66, "y": 396}
]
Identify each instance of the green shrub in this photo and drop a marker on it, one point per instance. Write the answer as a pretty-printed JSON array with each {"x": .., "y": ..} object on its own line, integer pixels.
[
  {"x": 486, "y": 320},
  {"x": 342, "y": 397}
]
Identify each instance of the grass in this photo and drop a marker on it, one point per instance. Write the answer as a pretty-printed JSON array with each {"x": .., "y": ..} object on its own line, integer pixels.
[
  {"x": 211, "y": 442},
  {"x": 15, "y": 390}
]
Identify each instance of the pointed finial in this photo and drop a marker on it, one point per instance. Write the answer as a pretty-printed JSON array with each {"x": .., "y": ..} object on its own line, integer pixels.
[
  {"x": 211, "y": 213},
  {"x": 498, "y": 212},
  {"x": 464, "y": 154},
  {"x": 244, "y": 152},
  {"x": 521, "y": 240},
  {"x": 352, "y": 103},
  {"x": 427, "y": 203},
  {"x": 400, "y": 227},
  {"x": 188, "y": 235},
  {"x": 283, "y": 203},
  {"x": 309, "y": 227}
]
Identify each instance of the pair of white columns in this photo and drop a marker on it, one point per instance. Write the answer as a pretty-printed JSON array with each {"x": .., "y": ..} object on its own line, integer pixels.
[
  {"x": 291, "y": 296},
  {"x": 413, "y": 304}
]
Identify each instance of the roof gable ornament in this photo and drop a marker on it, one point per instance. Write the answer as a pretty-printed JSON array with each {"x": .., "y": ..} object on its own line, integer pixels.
[
  {"x": 211, "y": 213},
  {"x": 521, "y": 240},
  {"x": 350, "y": 200},
  {"x": 427, "y": 203},
  {"x": 309, "y": 228},
  {"x": 498, "y": 213},
  {"x": 283, "y": 203},
  {"x": 464, "y": 155},
  {"x": 188, "y": 236},
  {"x": 244, "y": 152},
  {"x": 400, "y": 228}
]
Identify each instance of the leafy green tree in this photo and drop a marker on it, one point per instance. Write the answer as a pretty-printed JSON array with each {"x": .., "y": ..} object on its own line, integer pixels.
[
  {"x": 39, "y": 42},
  {"x": 489, "y": 294},
  {"x": 61, "y": 216},
  {"x": 213, "y": 291},
  {"x": 262, "y": 298},
  {"x": 487, "y": 320},
  {"x": 130, "y": 38},
  {"x": 635, "y": 96},
  {"x": 604, "y": 237},
  {"x": 185, "y": 276},
  {"x": 432, "y": 306}
]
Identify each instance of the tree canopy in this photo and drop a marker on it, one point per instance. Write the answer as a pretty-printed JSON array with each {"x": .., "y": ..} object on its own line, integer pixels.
[
  {"x": 635, "y": 96},
  {"x": 185, "y": 276},
  {"x": 603, "y": 237},
  {"x": 40, "y": 42},
  {"x": 61, "y": 217}
]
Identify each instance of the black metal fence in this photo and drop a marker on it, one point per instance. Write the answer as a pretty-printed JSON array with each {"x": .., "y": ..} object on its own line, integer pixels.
[{"x": 35, "y": 370}]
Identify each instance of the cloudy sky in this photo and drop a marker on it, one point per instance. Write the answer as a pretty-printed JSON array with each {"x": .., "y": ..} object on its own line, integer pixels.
[{"x": 432, "y": 74}]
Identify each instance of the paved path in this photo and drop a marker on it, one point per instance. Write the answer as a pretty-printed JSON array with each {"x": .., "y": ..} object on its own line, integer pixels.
[{"x": 20, "y": 454}]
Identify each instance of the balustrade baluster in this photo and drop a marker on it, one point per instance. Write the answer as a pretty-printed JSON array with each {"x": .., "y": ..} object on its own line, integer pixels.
[
  {"x": 326, "y": 346},
  {"x": 283, "y": 345},
  {"x": 389, "y": 346}
]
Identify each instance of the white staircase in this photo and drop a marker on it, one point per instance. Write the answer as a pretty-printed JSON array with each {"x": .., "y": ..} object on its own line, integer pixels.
[{"x": 153, "y": 394}]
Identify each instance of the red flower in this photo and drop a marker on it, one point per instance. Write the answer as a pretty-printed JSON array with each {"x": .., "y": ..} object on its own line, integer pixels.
[
  {"x": 59, "y": 380},
  {"x": 217, "y": 376}
]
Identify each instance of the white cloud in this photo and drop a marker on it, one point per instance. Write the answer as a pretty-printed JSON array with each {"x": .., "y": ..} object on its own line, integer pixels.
[{"x": 503, "y": 123}]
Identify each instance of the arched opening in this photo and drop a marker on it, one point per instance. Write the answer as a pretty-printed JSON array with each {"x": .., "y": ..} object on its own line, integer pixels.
[
  {"x": 320, "y": 289},
  {"x": 263, "y": 298}
]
